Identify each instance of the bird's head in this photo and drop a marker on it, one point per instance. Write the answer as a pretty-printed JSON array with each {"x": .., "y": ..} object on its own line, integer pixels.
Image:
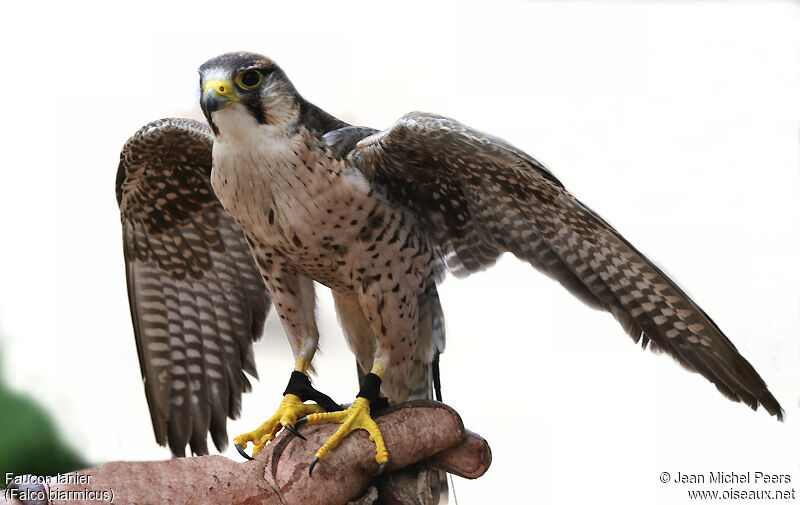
[{"x": 243, "y": 93}]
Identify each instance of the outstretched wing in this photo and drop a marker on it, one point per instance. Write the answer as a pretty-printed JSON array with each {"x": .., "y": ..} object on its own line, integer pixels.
[
  {"x": 197, "y": 300},
  {"x": 479, "y": 197}
]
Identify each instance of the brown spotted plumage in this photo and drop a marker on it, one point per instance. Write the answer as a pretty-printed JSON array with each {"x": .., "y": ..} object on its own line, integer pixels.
[
  {"x": 196, "y": 298},
  {"x": 478, "y": 197},
  {"x": 378, "y": 217}
]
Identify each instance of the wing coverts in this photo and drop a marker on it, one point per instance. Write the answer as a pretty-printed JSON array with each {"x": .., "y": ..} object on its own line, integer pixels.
[
  {"x": 197, "y": 300},
  {"x": 479, "y": 197}
]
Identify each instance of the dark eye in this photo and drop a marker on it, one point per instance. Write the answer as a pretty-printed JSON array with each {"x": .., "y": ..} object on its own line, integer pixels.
[{"x": 249, "y": 79}]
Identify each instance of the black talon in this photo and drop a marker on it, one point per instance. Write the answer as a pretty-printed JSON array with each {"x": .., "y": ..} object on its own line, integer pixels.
[
  {"x": 380, "y": 469},
  {"x": 313, "y": 464},
  {"x": 241, "y": 451},
  {"x": 293, "y": 431},
  {"x": 300, "y": 422}
]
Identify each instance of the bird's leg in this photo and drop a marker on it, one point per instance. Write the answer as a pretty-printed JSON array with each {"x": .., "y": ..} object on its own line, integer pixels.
[
  {"x": 356, "y": 417},
  {"x": 293, "y": 296},
  {"x": 390, "y": 308},
  {"x": 289, "y": 411}
]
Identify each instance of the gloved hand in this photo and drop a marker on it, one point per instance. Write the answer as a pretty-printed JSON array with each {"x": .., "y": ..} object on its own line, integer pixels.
[{"x": 413, "y": 432}]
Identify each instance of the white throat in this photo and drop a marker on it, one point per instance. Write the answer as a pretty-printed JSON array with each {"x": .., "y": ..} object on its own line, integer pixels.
[
  {"x": 236, "y": 125},
  {"x": 250, "y": 160}
]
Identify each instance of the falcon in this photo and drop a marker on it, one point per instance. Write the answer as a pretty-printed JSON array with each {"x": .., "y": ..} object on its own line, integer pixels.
[{"x": 222, "y": 221}]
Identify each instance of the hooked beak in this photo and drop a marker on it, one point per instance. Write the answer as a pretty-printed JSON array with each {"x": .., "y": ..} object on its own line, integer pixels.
[{"x": 217, "y": 95}]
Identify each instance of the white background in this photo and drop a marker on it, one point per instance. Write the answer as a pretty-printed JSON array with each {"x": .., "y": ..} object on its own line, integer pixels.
[{"x": 676, "y": 121}]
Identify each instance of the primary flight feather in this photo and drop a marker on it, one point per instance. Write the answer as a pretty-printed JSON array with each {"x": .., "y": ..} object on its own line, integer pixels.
[{"x": 278, "y": 194}]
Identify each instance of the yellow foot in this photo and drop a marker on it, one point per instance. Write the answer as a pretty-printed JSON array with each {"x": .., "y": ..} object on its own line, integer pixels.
[
  {"x": 354, "y": 418},
  {"x": 290, "y": 409}
]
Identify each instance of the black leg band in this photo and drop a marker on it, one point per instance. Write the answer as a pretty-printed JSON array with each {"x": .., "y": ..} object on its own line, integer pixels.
[
  {"x": 371, "y": 390},
  {"x": 300, "y": 385},
  {"x": 437, "y": 381}
]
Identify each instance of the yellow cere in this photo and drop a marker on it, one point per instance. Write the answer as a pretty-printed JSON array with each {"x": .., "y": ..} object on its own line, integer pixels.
[{"x": 224, "y": 88}]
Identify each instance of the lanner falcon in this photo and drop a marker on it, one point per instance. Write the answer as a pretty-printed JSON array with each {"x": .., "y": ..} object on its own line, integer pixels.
[{"x": 277, "y": 194}]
